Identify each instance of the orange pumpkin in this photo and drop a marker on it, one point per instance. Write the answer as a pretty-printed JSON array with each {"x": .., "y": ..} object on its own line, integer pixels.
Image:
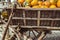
[
  {"x": 44, "y": 6},
  {"x": 46, "y": 3},
  {"x": 21, "y": 1},
  {"x": 40, "y": 5},
  {"x": 53, "y": 6},
  {"x": 40, "y": 2},
  {"x": 58, "y": 4},
  {"x": 28, "y": 1},
  {"x": 37, "y": 6},
  {"x": 53, "y": 2},
  {"x": 34, "y": 2}
]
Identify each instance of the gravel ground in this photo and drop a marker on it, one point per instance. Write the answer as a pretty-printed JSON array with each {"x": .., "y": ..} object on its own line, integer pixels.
[{"x": 54, "y": 36}]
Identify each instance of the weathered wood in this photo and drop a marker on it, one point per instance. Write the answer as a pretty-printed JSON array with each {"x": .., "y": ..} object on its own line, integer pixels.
[
  {"x": 16, "y": 33},
  {"x": 42, "y": 36},
  {"x": 24, "y": 17},
  {"x": 5, "y": 2},
  {"x": 3, "y": 21},
  {"x": 36, "y": 8},
  {"x": 33, "y": 33},
  {"x": 38, "y": 20},
  {"x": 35, "y": 19},
  {"x": 38, "y": 27},
  {"x": 7, "y": 25},
  {"x": 42, "y": 27},
  {"x": 49, "y": 18}
]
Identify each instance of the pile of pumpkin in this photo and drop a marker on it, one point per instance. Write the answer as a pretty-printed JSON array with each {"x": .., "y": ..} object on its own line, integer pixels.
[{"x": 40, "y": 4}]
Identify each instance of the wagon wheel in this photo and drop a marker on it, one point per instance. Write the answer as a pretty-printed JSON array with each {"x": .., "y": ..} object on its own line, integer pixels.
[
  {"x": 31, "y": 33},
  {"x": 13, "y": 34}
]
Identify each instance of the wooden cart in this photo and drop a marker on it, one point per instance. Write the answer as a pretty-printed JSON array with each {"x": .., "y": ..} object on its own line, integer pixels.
[{"x": 35, "y": 23}]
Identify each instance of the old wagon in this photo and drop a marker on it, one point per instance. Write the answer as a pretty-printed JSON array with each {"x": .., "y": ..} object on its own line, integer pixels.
[{"x": 34, "y": 23}]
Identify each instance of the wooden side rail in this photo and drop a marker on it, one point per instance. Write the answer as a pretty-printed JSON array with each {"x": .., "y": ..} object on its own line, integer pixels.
[
  {"x": 38, "y": 27},
  {"x": 36, "y": 18},
  {"x": 41, "y": 27},
  {"x": 36, "y": 8}
]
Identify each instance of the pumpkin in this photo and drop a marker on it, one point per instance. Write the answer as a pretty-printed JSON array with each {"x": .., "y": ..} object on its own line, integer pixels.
[
  {"x": 28, "y": 1},
  {"x": 53, "y": 1},
  {"x": 21, "y": 1},
  {"x": 46, "y": 3},
  {"x": 36, "y": 6},
  {"x": 40, "y": 2},
  {"x": 52, "y": 6},
  {"x": 34, "y": 2},
  {"x": 43, "y": 6},
  {"x": 58, "y": 3}
]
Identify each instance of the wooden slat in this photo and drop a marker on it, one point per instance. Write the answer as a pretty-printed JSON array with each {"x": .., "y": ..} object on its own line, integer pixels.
[
  {"x": 42, "y": 27},
  {"x": 37, "y": 27},
  {"x": 38, "y": 21},
  {"x": 37, "y": 18},
  {"x": 49, "y": 18},
  {"x": 24, "y": 17},
  {"x": 36, "y": 8}
]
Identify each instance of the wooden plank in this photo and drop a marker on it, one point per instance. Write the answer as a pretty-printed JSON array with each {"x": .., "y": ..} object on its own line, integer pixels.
[
  {"x": 42, "y": 27},
  {"x": 49, "y": 18},
  {"x": 38, "y": 21},
  {"x": 24, "y": 18},
  {"x": 36, "y": 8},
  {"x": 38, "y": 27},
  {"x": 36, "y": 18}
]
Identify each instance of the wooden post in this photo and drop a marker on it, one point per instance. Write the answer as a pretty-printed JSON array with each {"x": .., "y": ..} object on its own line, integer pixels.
[
  {"x": 24, "y": 18},
  {"x": 38, "y": 21}
]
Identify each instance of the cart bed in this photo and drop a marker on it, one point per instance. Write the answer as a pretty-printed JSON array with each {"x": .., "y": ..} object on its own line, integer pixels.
[{"x": 36, "y": 17}]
